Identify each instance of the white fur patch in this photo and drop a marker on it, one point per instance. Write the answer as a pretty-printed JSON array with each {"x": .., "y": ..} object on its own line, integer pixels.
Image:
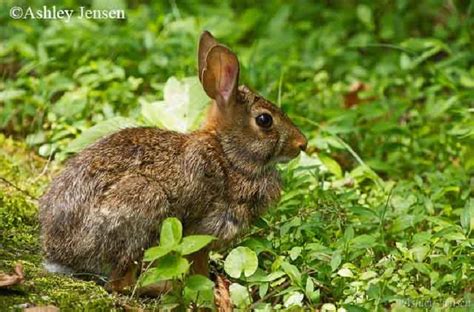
[{"x": 53, "y": 267}]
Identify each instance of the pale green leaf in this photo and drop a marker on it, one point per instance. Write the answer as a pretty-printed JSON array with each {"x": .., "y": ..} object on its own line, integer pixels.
[
  {"x": 157, "y": 252},
  {"x": 168, "y": 267},
  {"x": 328, "y": 307},
  {"x": 241, "y": 259},
  {"x": 193, "y": 243},
  {"x": 199, "y": 289},
  {"x": 293, "y": 299},
  {"x": 292, "y": 271},
  {"x": 345, "y": 272},
  {"x": 171, "y": 232},
  {"x": 182, "y": 107},
  {"x": 295, "y": 252},
  {"x": 239, "y": 295},
  {"x": 420, "y": 252},
  {"x": 331, "y": 165},
  {"x": 368, "y": 275},
  {"x": 363, "y": 241},
  {"x": 467, "y": 216},
  {"x": 336, "y": 260}
]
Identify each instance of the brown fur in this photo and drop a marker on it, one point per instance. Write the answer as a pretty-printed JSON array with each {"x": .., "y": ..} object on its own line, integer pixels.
[{"x": 106, "y": 207}]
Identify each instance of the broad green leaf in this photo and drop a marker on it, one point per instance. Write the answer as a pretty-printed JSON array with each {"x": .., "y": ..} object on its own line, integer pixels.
[
  {"x": 336, "y": 260},
  {"x": 420, "y": 252},
  {"x": 349, "y": 233},
  {"x": 241, "y": 259},
  {"x": 363, "y": 241},
  {"x": 293, "y": 299},
  {"x": 239, "y": 295},
  {"x": 362, "y": 173},
  {"x": 292, "y": 271},
  {"x": 421, "y": 267},
  {"x": 345, "y": 272},
  {"x": 311, "y": 293},
  {"x": 262, "y": 276},
  {"x": 8, "y": 95},
  {"x": 157, "y": 252},
  {"x": 193, "y": 243},
  {"x": 454, "y": 236},
  {"x": 182, "y": 107},
  {"x": 368, "y": 275},
  {"x": 364, "y": 13},
  {"x": 199, "y": 289},
  {"x": 263, "y": 289},
  {"x": 168, "y": 267},
  {"x": 421, "y": 238},
  {"x": 199, "y": 282},
  {"x": 467, "y": 216},
  {"x": 331, "y": 165},
  {"x": 46, "y": 150},
  {"x": 274, "y": 275},
  {"x": 99, "y": 131},
  {"x": 258, "y": 245},
  {"x": 71, "y": 103},
  {"x": 295, "y": 252},
  {"x": 405, "y": 61},
  {"x": 171, "y": 232},
  {"x": 328, "y": 307}
]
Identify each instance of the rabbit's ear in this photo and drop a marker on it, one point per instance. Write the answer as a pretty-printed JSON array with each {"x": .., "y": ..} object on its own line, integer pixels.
[
  {"x": 206, "y": 42},
  {"x": 221, "y": 74}
]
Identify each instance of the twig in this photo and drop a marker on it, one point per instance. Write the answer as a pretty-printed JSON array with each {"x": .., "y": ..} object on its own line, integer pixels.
[
  {"x": 45, "y": 168},
  {"x": 135, "y": 287},
  {"x": 381, "y": 45},
  {"x": 270, "y": 294},
  {"x": 18, "y": 189},
  {"x": 378, "y": 180}
]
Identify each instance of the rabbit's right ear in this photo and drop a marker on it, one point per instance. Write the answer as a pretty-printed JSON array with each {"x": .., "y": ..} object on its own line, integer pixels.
[
  {"x": 220, "y": 76},
  {"x": 206, "y": 42}
]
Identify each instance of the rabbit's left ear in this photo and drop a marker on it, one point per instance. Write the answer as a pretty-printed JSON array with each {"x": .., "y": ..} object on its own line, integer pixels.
[
  {"x": 206, "y": 42},
  {"x": 220, "y": 76}
]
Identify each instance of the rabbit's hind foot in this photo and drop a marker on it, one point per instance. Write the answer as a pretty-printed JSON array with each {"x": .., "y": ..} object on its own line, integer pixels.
[
  {"x": 125, "y": 283},
  {"x": 122, "y": 282}
]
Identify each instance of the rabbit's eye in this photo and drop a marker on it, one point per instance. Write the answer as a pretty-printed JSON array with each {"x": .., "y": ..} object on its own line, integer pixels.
[{"x": 264, "y": 120}]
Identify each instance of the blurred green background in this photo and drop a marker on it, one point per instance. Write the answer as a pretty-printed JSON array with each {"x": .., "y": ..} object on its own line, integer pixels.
[{"x": 384, "y": 90}]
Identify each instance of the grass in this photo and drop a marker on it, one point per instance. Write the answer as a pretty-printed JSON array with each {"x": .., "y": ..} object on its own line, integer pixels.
[{"x": 378, "y": 215}]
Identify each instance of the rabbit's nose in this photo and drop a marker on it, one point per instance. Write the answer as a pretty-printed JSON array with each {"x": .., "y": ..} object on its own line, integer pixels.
[
  {"x": 301, "y": 142},
  {"x": 303, "y": 146}
]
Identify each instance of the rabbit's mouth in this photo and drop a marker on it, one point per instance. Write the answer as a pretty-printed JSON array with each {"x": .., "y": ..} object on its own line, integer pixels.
[{"x": 286, "y": 156}]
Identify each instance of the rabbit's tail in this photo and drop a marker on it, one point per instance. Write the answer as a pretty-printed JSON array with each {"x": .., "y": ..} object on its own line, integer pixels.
[{"x": 54, "y": 267}]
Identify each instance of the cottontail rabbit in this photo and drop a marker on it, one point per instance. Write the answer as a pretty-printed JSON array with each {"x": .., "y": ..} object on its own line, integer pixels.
[{"x": 105, "y": 208}]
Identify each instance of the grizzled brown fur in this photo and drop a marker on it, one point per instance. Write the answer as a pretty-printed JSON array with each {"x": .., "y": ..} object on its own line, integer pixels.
[{"x": 106, "y": 207}]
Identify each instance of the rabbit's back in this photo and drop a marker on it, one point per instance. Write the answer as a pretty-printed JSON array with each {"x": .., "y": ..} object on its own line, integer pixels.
[{"x": 90, "y": 174}]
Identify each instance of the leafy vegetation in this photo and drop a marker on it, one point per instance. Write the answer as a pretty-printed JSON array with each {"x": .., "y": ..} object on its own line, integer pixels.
[{"x": 379, "y": 214}]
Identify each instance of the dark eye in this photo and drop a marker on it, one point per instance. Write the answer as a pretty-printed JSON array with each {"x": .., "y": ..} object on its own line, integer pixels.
[{"x": 264, "y": 120}]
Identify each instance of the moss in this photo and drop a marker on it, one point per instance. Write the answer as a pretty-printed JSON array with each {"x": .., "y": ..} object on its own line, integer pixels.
[
  {"x": 19, "y": 242},
  {"x": 41, "y": 288}
]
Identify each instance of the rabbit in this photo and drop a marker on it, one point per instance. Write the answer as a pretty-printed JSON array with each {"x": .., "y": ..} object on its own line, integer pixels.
[{"x": 106, "y": 206}]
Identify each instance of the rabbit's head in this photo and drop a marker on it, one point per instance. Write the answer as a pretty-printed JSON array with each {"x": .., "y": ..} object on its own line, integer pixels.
[{"x": 252, "y": 130}]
